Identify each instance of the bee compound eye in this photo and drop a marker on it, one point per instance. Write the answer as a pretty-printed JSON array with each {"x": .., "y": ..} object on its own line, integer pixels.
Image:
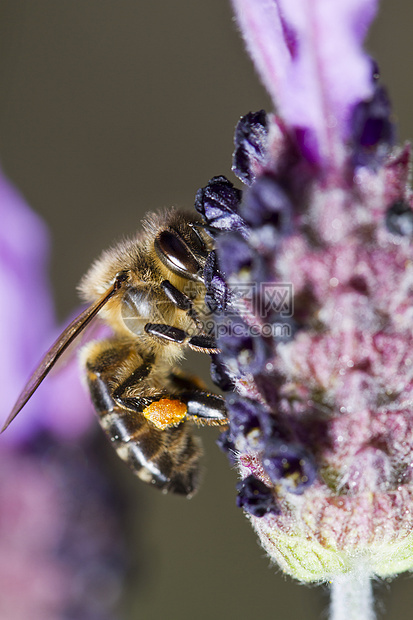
[
  {"x": 175, "y": 254},
  {"x": 197, "y": 242}
]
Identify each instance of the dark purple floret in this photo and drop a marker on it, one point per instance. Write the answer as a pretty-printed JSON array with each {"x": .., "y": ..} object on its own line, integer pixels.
[
  {"x": 239, "y": 261},
  {"x": 235, "y": 254},
  {"x": 266, "y": 202},
  {"x": 218, "y": 295},
  {"x": 373, "y": 131},
  {"x": 289, "y": 464},
  {"x": 255, "y": 497},
  {"x": 218, "y": 204},
  {"x": 225, "y": 443},
  {"x": 375, "y": 125},
  {"x": 219, "y": 375},
  {"x": 250, "y": 145},
  {"x": 306, "y": 143},
  {"x": 245, "y": 415},
  {"x": 249, "y": 352},
  {"x": 399, "y": 219}
]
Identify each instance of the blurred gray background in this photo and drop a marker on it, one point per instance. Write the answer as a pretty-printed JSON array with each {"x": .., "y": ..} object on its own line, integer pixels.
[{"x": 110, "y": 109}]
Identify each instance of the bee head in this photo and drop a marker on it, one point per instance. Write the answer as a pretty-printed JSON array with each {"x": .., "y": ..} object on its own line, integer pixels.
[{"x": 182, "y": 246}]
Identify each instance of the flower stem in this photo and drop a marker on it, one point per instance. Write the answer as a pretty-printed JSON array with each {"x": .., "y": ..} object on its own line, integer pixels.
[{"x": 352, "y": 596}]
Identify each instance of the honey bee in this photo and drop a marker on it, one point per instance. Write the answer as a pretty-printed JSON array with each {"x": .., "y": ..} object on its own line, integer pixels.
[{"x": 150, "y": 291}]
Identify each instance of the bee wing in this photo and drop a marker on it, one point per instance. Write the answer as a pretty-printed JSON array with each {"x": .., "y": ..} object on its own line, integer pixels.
[{"x": 64, "y": 340}]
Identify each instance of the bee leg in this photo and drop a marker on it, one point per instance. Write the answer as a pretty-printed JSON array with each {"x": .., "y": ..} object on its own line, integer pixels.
[
  {"x": 167, "y": 459},
  {"x": 182, "y": 302},
  {"x": 201, "y": 342},
  {"x": 204, "y": 407},
  {"x": 102, "y": 372},
  {"x": 179, "y": 299},
  {"x": 166, "y": 332}
]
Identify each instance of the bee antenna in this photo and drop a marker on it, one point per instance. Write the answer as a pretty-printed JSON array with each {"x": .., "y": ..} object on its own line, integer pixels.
[{"x": 206, "y": 227}]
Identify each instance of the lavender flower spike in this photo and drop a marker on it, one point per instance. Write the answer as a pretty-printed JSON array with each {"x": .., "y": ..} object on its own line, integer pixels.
[
  {"x": 308, "y": 54},
  {"x": 312, "y": 281}
]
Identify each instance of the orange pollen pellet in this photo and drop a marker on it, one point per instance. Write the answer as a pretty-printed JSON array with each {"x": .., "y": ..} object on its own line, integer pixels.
[{"x": 165, "y": 412}]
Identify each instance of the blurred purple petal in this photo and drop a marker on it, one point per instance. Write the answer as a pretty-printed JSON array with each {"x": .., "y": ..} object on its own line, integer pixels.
[
  {"x": 67, "y": 408},
  {"x": 309, "y": 56},
  {"x": 62, "y": 546},
  {"x": 26, "y": 309},
  {"x": 28, "y": 327},
  {"x": 68, "y": 412}
]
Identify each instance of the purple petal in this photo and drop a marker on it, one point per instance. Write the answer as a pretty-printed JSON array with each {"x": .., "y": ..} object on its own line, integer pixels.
[
  {"x": 28, "y": 327},
  {"x": 309, "y": 56},
  {"x": 26, "y": 309},
  {"x": 62, "y": 544},
  {"x": 67, "y": 410}
]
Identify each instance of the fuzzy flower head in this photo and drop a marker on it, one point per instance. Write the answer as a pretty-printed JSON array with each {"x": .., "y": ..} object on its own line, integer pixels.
[{"x": 312, "y": 285}]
